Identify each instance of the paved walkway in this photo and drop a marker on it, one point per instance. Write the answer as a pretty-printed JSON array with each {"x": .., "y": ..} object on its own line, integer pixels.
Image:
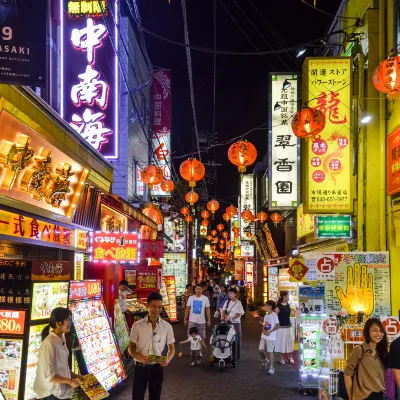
[{"x": 246, "y": 381}]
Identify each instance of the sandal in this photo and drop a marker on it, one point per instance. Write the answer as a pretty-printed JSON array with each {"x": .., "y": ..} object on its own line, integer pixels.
[
  {"x": 291, "y": 360},
  {"x": 282, "y": 362}
]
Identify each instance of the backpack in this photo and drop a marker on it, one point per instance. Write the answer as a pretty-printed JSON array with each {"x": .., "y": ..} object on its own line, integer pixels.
[{"x": 342, "y": 391}]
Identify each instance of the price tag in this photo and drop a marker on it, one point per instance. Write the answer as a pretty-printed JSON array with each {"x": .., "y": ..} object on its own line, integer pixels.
[{"x": 12, "y": 322}]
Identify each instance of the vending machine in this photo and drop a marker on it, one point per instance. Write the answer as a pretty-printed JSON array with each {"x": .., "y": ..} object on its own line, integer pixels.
[{"x": 99, "y": 353}]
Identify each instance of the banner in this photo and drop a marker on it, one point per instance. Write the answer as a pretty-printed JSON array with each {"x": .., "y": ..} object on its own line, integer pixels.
[
  {"x": 246, "y": 202},
  {"x": 283, "y": 144},
  {"x": 176, "y": 231},
  {"x": 362, "y": 284},
  {"x": 89, "y": 72},
  {"x": 328, "y": 166},
  {"x": 45, "y": 270},
  {"x": 23, "y": 42},
  {"x": 152, "y": 248}
]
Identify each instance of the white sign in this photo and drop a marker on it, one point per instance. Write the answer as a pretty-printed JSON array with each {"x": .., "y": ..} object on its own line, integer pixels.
[
  {"x": 284, "y": 145},
  {"x": 247, "y": 249},
  {"x": 326, "y": 268},
  {"x": 246, "y": 202},
  {"x": 392, "y": 327}
]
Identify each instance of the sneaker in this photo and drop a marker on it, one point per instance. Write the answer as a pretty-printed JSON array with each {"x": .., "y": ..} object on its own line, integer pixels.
[
  {"x": 201, "y": 354},
  {"x": 193, "y": 364},
  {"x": 264, "y": 365},
  {"x": 291, "y": 360},
  {"x": 198, "y": 362},
  {"x": 271, "y": 371}
]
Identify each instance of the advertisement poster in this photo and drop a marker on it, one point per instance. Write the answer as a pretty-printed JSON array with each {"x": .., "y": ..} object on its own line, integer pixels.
[
  {"x": 171, "y": 293},
  {"x": 328, "y": 85},
  {"x": 176, "y": 231},
  {"x": 246, "y": 249},
  {"x": 239, "y": 270},
  {"x": 147, "y": 280},
  {"x": 175, "y": 264},
  {"x": 130, "y": 277},
  {"x": 93, "y": 389},
  {"x": 312, "y": 299},
  {"x": 12, "y": 322},
  {"x": 10, "y": 367},
  {"x": 44, "y": 270},
  {"x": 114, "y": 246},
  {"x": 48, "y": 296},
  {"x": 23, "y": 54},
  {"x": 120, "y": 328},
  {"x": 97, "y": 342},
  {"x": 362, "y": 283},
  {"x": 311, "y": 332},
  {"x": 273, "y": 283},
  {"x": 79, "y": 290},
  {"x": 35, "y": 340}
]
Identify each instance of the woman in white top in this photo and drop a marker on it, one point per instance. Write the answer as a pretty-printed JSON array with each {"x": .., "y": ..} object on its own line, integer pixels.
[
  {"x": 54, "y": 380},
  {"x": 232, "y": 312}
]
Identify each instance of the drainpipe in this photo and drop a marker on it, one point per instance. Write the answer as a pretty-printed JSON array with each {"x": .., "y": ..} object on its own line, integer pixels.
[
  {"x": 361, "y": 157},
  {"x": 382, "y": 135}
]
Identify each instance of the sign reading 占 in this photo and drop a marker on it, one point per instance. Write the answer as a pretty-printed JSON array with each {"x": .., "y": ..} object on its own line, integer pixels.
[
  {"x": 114, "y": 246},
  {"x": 333, "y": 226},
  {"x": 89, "y": 72}
]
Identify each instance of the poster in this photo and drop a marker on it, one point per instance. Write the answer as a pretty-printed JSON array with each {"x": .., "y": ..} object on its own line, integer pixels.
[
  {"x": 273, "y": 283},
  {"x": 362, "y": 283},
  {"x": 239, "y": 269},
  {"x": 312, "y": 299},
  {"x": 130, "y": 277},
  {"x": 12, "y": 322},
  {"x": 10, "y": 367},
  {"x": 48, "y": 296},
  {"x": 93, "y": 389},
  {"x": 175, "y": 264},
  {"x": 120, "y": 328},
  {"x": 171, "y": 293},
  {"x": 327, "y": 180},
  {"x": 175, "y": 229},
  {"x": 247, "y": 249}
]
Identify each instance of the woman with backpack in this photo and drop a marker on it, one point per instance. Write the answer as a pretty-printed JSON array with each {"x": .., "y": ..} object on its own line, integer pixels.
[{"x": 364, "y": 375}]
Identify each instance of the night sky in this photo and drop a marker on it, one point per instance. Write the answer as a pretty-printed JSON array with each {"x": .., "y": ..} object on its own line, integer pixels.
[{"x": 242, "y": 81}]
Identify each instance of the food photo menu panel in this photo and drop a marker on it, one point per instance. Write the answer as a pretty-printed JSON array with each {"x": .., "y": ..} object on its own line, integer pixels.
[{"x": 10, "y": 371}]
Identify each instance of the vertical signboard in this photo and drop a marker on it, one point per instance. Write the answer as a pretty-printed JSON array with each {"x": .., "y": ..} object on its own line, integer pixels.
[
  {"x": 328, "y": 169},
  {"x": 23, "y": 42},
  {"x": 161, "y": 138},
  {"x": 284, "y": 145},
  {"x": 246, "y": 201},
  {"x": 89, "y": 71},
  {"x": 393, "y": 162}
]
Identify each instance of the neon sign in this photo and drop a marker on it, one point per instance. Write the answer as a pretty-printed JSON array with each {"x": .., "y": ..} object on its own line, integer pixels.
[{"x": 89, "y": 82}]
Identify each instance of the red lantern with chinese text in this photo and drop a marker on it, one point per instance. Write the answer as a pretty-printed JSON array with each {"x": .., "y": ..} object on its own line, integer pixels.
[
  {"x": 308, "y": 122},
  {"x": 192, "y": 170},
  {"x": 262, "y": 216},
  {"x": 236, "y": 235},
  {"x": 205, "y": 214},
  {"x": 249, "y": 235},
  {"x": 152, "y": 175},
  {"x": 204, "y": 222},
  {"x": 167, "y": 186},
  {"x": 220, "y": 227},
  {"x": 191, "y": 197},
  {"x": 276, "y": 218},
  {"x": 213, "y": 206},
  {"x": 213, "y": 232},
  {"x": 188, "y": 218},
  {"x": 386, "y": 76},
  {"x": 231, "y": 211},
  {"x": 185, "y": 211},
  {"x": 235, "y": 229},
  {"x": 226, "y": 217},
  {"x": 247, "y": 215},
  {"x": 243, "y": 154}
]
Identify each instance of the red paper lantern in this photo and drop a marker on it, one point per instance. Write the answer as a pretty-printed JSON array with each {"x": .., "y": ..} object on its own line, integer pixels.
[
  {"x": 226, "y": 217},
  {"x": 225, "y": 234},
  {"x": 262, "y": 216},
  {"x": 152, "y": 175},
  {"x": 308, "y": 122},
  {"x": 213, "y": 232},
  {"x": 249, "y": 235},
  {"x": 231, "y": 211},
  {"x": 167, "y": 186},
  {"x": 192, "y": 171},
  {"x": 220, "y": 227},
  {"x": 242, "y": 154},
  {"x": 247, "y": 215},
  {"x": 188, "y": 218},
  {"x": 235, "y": 229},
  {"x": 276, "y": 218},
  {"x": 236, "y": 235},
  {"x": 205, "y": 214},
  {"x": 191, "y": 197},
  {"x": 185, "y": 211},
  {"x": 204, "y": 222},
  {"x": 213, "y": 206},
  {"x": 209, "y": 237},
  {"x": 386, "y": 77}
]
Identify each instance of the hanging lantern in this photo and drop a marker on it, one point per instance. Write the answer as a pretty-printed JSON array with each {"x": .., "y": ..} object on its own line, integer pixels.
[
  {"x": 209, "y": 237},
  {"x": 213, "y": 232},
  {"x": 236, "y": 235},
  {"x": 221, "y": 246},
  {"x": 152, "y": 175},
  {"x": 225, "y": 234},
  {"x": 213, "y": 247},
  {"x": 247, "y": 215},
  {"x": 191, "y": 197},
  {"x": 308, "y": 122},
  {"x": 204, "y": 222},
  {"x": 226, "y": 217},
  {"x": 231, "y": 211},
  {"x": 188, "y": 218},
  {"x": 276, "y": 218},
  {"x": 262, "y": 216},
  {"x": 249, "y": 235},
  {"x": 220, "y": 227},
  {"x": 205, "y": 214},
  {"x": 192, "y": 171},
  {"x": 213, "y": 206},
  {"x": 235, "y": 229},
  {"x": 386, "y": 77},
  {"x": 185, "y": 211},
  {"x": 167, "y": 186},
  {"x": 243, "y": 154}
]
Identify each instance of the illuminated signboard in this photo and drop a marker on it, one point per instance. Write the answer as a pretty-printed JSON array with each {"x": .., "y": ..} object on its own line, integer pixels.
[
  {"x": 113, "y": 246},
  {"x": 246, "y": 202},
  {"x": 283, "y": 144},
  {"x": 249, "y": 272},
  {"x": 333, "y": 226},
  {"x": 12, "y": 322},
  {"x": 89, "y": 72},
  {"x": 79, "y": 290},
  {"x": 393, "y": 162}
]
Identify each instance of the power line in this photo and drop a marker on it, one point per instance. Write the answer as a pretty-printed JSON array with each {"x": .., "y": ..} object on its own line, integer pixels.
[{"x": 325, "y": 12}]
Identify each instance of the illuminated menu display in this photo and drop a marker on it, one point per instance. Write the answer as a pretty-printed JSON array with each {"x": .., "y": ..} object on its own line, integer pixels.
[
  {"x": 97, "y": 342},
  {"x": 10, "y": 367},
  {"x": 12, "y": 322},
  {"x": 171, "y": 293}
]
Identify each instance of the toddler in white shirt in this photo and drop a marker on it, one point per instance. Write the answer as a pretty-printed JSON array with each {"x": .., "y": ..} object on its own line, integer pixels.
[{"x": 196, "y": 342}]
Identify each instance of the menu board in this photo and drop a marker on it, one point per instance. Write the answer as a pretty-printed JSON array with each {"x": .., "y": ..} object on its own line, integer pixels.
[
  {"x": 171, "y": 294},
  {"x": 47, "y": 297},
  {"x": 310, "y": 349},
  {"x": 35, "y": 340},
  {"x": 273, "y": 283},
  {"x": 120, "y": 328},
  {"x": 10, "y": 367},
  {"x": 97, "y": 342},
  {"x": 175, "y": 264}
]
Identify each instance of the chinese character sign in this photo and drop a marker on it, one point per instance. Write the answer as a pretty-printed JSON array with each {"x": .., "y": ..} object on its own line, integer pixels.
[
  {"x": 45, "y": 270},
  {"x": 283, "y": 159},
  {"x": 148, "y": 280},
  {"x": 328, "y": 169},
  {"x": 79, "y": 290},
  {"x": 393, "y": 162},
  {"x": 114, "y": 246},
  {"x": 246, "y": 202},
  {"x": 333, "y": 226},
  {"x": 152, "y": 248},
  {"x": 90, "y": 73},
  {"x": 12, "y": 322}
]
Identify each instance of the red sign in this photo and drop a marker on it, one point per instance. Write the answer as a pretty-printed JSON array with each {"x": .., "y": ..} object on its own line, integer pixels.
[
  {"x": 152, "y": 248},
  {"x": 79, "y": 290},
  {"x": 114, "y": 246},
  {"x": 44, "y": 270},
  {"x": 148, "y": 280},
  {"x": 392, "y": 327},
  {"x": 329, "y": 326},
  {"x": 393, "y": 162},
  {"x": 326, "y": 265},
  {"x": 249, "y": 272},
  {"x": 12, "y": 322},
  {"x": 298, "y": 270}
]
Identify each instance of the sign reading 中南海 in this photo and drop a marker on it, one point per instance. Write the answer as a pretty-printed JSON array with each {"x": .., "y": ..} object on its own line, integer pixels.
[
  {"x": 246, "y": 202},
  {"x": 393, "y": 162},
  {"x": 23, "y": 42},
  {"x": 161, "y": 138},
  {"x": 283, "y": 144},
  {"x": 89, "y": 72},
  {"x": 45, "y": 270},
  {"x": 333, "y": 226},
  {"x": 114, "y": 246},
  {"x": 328, "y": 172}
]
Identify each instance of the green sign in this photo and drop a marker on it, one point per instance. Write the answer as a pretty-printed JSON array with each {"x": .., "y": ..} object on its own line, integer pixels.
[{"x": 333, "y": 226}]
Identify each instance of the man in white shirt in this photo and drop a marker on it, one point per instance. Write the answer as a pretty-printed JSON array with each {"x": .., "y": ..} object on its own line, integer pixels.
[
  {"x": 148, "y": 339},
  {"x": 196, "y": 309}
]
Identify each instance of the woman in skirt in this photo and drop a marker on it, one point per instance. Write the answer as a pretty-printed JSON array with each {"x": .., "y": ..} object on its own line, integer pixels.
[{"x": 284, "y": 336}]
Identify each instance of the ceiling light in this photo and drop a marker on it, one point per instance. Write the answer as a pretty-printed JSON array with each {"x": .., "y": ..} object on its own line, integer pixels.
[
  {"x": 300, "y": 52},
  {"x": 365, "y": 119},
  {"x": 277, "y": 106},
  {"x": 286, "y": 84}
]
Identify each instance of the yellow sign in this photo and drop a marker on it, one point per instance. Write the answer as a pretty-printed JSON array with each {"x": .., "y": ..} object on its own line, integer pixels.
[
  {"x": 33, "y": 229},
  {"x": 328, "y": 168},
  {"x": 305, "y": 222},
  {"x": 78, "y": 267},
  {"x": 99, "y": 181}
]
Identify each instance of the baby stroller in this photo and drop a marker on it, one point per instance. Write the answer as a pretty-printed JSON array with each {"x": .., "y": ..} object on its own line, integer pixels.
[{"x": 222, "y": 340}]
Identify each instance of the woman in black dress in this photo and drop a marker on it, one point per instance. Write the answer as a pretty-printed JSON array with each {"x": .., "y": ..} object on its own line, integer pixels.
[{"x": 284, "y": 335}]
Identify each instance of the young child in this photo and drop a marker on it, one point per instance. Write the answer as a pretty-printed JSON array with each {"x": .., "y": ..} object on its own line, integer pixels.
[
  {"x": 268, "y": 337},
  {"x": 196, "y": 342}
]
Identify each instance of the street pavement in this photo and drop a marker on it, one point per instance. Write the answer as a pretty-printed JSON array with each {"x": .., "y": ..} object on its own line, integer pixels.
[{"x": 246, "y": 381}]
